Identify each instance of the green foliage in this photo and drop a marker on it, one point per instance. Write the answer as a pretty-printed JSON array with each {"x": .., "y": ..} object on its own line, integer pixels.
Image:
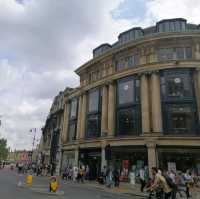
[{"x": 3, "y": 149}]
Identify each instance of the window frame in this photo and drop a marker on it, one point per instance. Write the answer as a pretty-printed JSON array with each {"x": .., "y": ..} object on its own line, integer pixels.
[
  {"x": 135, "y": 106},
  {"x": 168, "y": 102},
  {"x": 73, "y": 120},
  {"x": 94, "y": 113}
]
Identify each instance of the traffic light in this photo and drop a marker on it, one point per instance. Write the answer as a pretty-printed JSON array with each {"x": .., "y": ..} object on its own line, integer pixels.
[{"x": 108, "y": 152}]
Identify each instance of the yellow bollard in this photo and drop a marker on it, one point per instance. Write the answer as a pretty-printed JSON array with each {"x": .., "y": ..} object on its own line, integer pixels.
[
  {"x": 29, "y": 180},
  {"x": 53, "y": 184}
]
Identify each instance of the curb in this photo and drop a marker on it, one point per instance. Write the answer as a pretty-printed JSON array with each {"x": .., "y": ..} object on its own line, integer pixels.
[{"x": 46, "y": 192}]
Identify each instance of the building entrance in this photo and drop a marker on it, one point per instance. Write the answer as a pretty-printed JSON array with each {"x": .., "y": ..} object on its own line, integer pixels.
[
  {"x": 179, "y": 159},
  {"x": 91, "y": 158}
]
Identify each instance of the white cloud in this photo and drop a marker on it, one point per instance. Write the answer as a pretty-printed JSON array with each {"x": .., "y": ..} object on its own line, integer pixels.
[
  {"x": 188, "y": 9},
  {"x": 42, "y": 42}
]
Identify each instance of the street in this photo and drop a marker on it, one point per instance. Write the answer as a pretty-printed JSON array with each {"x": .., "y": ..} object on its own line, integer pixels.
[{"x": 10, "y": 190}]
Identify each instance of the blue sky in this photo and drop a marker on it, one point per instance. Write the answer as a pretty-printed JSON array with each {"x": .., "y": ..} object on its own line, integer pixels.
[{"x": 130, "y": 9}]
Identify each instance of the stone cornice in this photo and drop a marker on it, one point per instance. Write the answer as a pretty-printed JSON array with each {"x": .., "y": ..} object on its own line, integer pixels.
[{"x": 141, "y": 69}]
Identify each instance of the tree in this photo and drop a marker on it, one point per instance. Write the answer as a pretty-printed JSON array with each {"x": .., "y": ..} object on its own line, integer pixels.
[{"x": 3, "y": 149}]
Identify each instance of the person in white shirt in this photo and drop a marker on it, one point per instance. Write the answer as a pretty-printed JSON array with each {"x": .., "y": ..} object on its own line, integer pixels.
[{"x": 142, "y": 179}]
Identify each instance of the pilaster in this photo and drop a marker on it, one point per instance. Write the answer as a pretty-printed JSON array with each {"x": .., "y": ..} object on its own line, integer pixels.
[
  {"x": 156, "y": 103},
  {"x": 104, "y": 115},
  {"x": 145, "y": 104},
  {"x": 111, "y": 107}
]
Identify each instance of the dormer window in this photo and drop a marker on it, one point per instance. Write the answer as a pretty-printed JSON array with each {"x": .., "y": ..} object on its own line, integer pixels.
[
  {"x": 129, "y": 35},
  {"x": 171, "y": 25},
  {"x": 101, "y": 49}
]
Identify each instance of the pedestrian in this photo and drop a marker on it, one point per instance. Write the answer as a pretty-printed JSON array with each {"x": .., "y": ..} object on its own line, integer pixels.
[
  {"x": 116, "y": 177},
  {"x": 142, "y": 179},
  {"x": 87, "y": 172},
  {"x": 109, "y": 178},
  {"x": 75, "y": 174},
  {"x": 104, "y": 174},
  {"x": 188, "y": 182},
  {"x": 160, "y": 182},
  {"x": 171, "y": 182}
]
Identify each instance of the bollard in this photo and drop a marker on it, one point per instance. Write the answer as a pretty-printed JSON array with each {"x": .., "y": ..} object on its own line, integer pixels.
[
  {"x": 29, "y": 179},
  {"x": 53, "y": 185}
]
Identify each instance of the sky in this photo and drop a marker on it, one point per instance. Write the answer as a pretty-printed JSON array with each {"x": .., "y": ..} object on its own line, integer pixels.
[{"x": 42, "y": 42}]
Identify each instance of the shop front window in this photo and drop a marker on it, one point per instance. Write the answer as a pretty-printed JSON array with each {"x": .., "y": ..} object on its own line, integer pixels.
[
  {"x": 128, "y": 106},
  {"x": 93, "y": 101},
  {"x": 93, "y": 126},
  {"x": 72, "y": 120},
  {"x": 73, "y": 111},
  {"x": 177, "y": 85},
  {"x": 178, "y": 102},
  {"x": 94, "y": 113},
  {"x": 127, "y": 122},
  {"x": 72, "y": 132},
  {"x": 125, "y": 92},
  {"x": 181, "y": 118}
]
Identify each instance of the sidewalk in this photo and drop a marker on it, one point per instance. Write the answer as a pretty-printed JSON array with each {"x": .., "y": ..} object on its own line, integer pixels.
[{"x": 124, "y": 188}]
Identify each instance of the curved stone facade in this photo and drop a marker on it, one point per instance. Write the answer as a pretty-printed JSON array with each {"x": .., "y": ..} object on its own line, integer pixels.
[{"x": 141, "y": 96}]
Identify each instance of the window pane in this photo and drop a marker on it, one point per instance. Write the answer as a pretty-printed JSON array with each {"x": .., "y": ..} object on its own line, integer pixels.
[
  {"x": 180, "y": 53},
  {"x": 73, "y": 112},
  {"x": 181, "y": 118},
  {"x": 93, "y": 101},
  {"x": 72, "y": 132},
  {"x": 125, "y": 92},
  {"x": 172, "y": 28},
  {"x": 166, "y": 26},
  {"x": 120, "y": 65},
  {"x": 93, "y": 126},
  {"x": 188, "y": 53},
  {"x": 177, "y": 26},
  {"x": 126, "y": 121},
  {"x": 179, "y": 87},
  {"x": 165, "y": 54}
]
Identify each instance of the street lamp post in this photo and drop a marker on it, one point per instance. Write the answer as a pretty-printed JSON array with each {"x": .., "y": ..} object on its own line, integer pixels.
[{"x": 33, "y": 143}]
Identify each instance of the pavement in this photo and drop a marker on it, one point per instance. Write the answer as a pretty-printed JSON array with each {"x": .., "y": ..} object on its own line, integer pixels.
[
  {"x": 72, "y": 190},
  {"x": 10, "y": 190}
]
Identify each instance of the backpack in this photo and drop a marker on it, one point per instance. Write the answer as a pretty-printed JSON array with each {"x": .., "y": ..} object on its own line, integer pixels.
[{"x": 170, "y": 183}]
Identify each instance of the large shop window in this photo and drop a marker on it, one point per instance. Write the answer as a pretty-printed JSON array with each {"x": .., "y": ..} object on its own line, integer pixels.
[
  {"x": 178, "y": 102},
  {"x": 72, "y": 119},
  {"x": 128, "y": 106},
  {"x": 94, "y": 113},
  {"x": 177, "y": 53}
]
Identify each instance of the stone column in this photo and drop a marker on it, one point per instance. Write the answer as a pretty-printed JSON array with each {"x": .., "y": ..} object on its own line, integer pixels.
[
  {"x": 111, "y": 108},
  {"x": 197, "y": 89},
  {"x": 78, "y": 131},
  {"x": 83, "y": 116},
  {"x": 76, "y": 157},
  {"x": 104, "y": 115},
  {"x": 156, "y": 103},
  {"x": 152, "y": 156},
  {"x": 66, "y": 122},
  {"x": 145, "y": 104}
]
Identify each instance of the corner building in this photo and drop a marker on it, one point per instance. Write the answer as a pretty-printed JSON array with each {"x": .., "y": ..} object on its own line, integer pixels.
[{"x": 141, "y": 95}]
